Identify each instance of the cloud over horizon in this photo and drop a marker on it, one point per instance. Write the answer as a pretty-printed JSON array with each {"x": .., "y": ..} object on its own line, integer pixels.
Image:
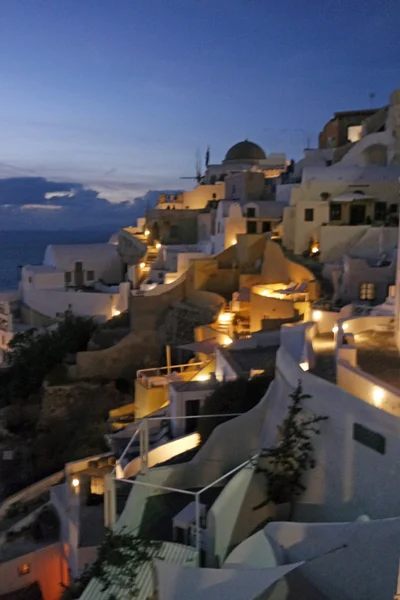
[{"x": 30, "y": 203}]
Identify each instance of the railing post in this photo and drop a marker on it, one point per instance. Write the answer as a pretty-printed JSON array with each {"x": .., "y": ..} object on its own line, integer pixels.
[
  {"x": 144, "y": 446},
  {"x": 198, "y": 540}
]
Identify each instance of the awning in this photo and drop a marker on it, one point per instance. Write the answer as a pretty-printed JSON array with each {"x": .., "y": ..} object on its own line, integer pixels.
[
  {"x": 351, "y": 197},
  {"x": 176, "y": 582},
  {"x": 204, "y": 347}
]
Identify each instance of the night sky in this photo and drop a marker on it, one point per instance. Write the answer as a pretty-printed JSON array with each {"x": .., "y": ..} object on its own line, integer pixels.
[{"x": 118, "y": 94}]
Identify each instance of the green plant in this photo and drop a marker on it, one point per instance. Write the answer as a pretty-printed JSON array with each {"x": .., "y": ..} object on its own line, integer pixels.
[
  {"x": 33, "y": 354},
  {"x": 120, "y": 558},
  {"x": 285, "y": 465}
]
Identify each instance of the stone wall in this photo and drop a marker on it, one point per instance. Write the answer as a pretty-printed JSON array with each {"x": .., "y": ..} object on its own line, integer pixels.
[{"x": 59, "y": 400}]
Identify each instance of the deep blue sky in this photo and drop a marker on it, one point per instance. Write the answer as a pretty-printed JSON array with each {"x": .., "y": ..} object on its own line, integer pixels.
[{"x": 118, "y": 94}]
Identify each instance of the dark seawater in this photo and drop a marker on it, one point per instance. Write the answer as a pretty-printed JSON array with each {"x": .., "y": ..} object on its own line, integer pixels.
[{"x": 19, "y": 248}]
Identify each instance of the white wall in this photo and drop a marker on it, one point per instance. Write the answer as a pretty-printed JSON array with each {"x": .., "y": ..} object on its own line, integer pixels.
[
  {"x": 163, "y": 453},
  {"x": 36, "y": 280},
  {"x": 51, "y": 302},
  {"x": 350, "y": 479},
  {"x": 365, "y": 569},
  {"x": 361, "y": 384}
]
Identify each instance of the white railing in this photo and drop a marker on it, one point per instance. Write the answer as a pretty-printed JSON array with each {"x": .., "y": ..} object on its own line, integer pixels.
[{"x": 162, "y": 376}]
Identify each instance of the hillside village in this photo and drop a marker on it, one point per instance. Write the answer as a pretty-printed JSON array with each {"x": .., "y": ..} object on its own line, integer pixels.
[{"x": 208, "y": 405}]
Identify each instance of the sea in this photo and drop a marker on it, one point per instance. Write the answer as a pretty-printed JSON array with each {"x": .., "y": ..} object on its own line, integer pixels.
[{"x": 18, "y": 248}]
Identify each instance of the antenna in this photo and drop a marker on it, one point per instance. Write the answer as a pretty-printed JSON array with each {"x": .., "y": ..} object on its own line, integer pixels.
[
  {"x": 207, "y": 156},
  {"x": 197, "y": 167}
]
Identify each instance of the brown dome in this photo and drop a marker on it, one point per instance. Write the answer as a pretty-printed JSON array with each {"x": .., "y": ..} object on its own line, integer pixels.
[{"x": 245, "y": 151}]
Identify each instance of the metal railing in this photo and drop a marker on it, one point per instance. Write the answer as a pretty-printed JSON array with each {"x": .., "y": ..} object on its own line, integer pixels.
[{"x": 162, "y": 376}]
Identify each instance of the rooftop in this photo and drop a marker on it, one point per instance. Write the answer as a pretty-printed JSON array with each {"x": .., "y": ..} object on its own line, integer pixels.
[{"x": 245, "y": 360}]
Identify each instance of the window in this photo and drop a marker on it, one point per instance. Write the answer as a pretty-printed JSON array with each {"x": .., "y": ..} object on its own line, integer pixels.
[
  {"x": 97, "y": 485},
  {"x": 266, "y": 226},
  {"x": 393, "y": 208},
  {"x": 380, "y": 211},
  {"x": 234, "y": 189},
  {"x": 67, "y": 277},
  {"x": 309, "y": 214},
  {"x": 251, "y": 226},
  {"x": 367, "y": 291},
  {"x": 335, "y": 212},
  {"x": 30, "y": 279},
  {"x": 219, "y": 228},
  {"x": 250, "y": 213},
  {"x": 90, "y": 275}
]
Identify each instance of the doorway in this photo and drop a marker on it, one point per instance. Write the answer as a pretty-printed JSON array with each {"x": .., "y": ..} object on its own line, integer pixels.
[
  {"x": 192, "y": 410},
  {"x": 357, "y": 214},
  {"x": 78, "y": 274}
]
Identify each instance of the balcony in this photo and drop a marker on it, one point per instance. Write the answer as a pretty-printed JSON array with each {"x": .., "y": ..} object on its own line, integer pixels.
[{"x": 163, "y": 376}]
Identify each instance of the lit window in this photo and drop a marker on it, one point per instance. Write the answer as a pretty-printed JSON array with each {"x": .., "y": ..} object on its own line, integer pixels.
[
  {"x": 335, "y": 212},
  {"x": 90, "y": 275},
  {"x": 309, "y": 214},
  {"x": 367, "y": 291},
  {"x": 24, "y": 569},
  {"x": 97, "y": 485}
]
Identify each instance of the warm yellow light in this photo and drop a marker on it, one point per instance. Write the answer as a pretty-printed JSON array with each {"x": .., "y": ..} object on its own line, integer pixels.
[
  {"x": 142, "y": 265},
  {"x": 304, "y": 365},
  {"x": 317, "y": 314},
  {"x": 378, "y": 396},
  {"x": 234, "y": 241},
  {"x": 115, "y": 312},
  {"x": 158, "y": 245},
  {"x": 335, "y": 329},
  {"x": 147, "y": 232},
  {"x": 75, "y": 482},
  {"x": 227, "y": 341},
  {"x": 203, "y": 378},
  {"x": 225, "y": 317},
  {"x": 314, "y": 249},
  {"x": 345, "y": 326}
]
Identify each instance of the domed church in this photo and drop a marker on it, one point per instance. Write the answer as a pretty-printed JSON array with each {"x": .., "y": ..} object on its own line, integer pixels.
[{"x": 245, "y": 156}]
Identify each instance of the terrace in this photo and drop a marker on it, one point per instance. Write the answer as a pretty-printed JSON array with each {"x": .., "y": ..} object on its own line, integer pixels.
[{"x": 163, "y": 376}]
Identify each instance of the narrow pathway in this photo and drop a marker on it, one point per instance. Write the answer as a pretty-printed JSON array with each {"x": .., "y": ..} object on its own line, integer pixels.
[{"x": 324, "y": 348}]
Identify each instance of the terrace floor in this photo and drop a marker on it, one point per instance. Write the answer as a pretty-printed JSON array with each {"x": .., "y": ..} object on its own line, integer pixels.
[{"x": 379, "y": 356}]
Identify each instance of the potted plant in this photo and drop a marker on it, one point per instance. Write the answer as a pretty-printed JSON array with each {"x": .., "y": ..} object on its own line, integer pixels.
[{"x": 285, "y": 464}]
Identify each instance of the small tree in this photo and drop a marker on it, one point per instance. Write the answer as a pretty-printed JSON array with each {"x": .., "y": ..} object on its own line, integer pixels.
[
  {"x": 285, "y": 465},
  {"x": 33, "y": 354},
  {"x": 119, "y": 560}
]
